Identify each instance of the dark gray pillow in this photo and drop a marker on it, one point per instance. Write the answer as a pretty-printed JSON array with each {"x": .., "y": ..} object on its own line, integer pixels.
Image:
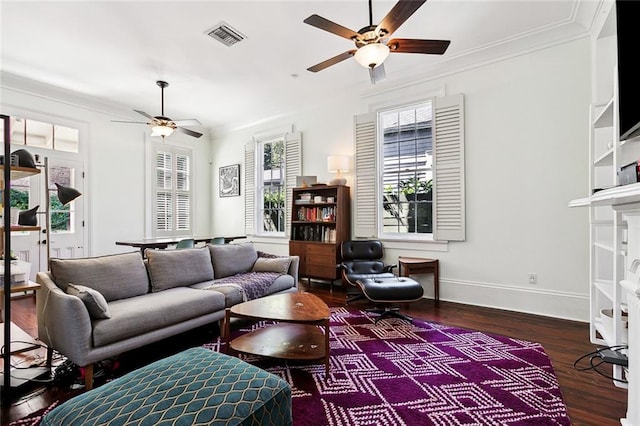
[
  {"x": 92, "y": 299},
  {"x": 178, "y": 268},
  {"x": 117, "y": 276},
  {"x": 231, "y": 259}
]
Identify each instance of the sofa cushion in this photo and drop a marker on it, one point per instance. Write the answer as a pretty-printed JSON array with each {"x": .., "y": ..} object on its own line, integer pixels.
[
  {"x": 116, "y": 276},
  {"x": 138, "y": 315},
  {"x": 178, "y": 268},
  {"x": 275, "y": 264},
  {"x": 92, "y": 299},
  {"x": 231, "y": 259}
]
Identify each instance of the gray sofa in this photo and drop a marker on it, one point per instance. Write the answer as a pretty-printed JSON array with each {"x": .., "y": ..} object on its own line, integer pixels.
[{"x": 91, "y": 309}]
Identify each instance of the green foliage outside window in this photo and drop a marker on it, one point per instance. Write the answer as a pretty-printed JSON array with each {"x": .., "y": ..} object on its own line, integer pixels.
[
  {"x": 60, "y": 216},
  {"x": 19, "y": 199}
]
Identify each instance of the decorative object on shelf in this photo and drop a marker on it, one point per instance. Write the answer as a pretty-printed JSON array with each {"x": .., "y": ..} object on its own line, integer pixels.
[
  {"x": 14, "y": 160},
  {"x": 25, "y": 159},
  {"x": 338, "y": 164},
  {"x": 305, "y": 181},
  {"x": 230, "y": 181},
  {"x": 28, "y": 217}
]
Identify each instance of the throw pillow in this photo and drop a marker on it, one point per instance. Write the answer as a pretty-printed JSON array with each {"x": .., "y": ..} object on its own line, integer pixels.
[
  {"x": 92, "y": 299},
  {"x": 276, "y": 264}
]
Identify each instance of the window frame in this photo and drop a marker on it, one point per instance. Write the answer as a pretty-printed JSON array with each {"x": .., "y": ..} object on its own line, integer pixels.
[
  {"x": 260, "y": 186},
  {"x": 175, "y": 151},
  {"x": 380, "y": 172},
  {"x": 293, "y": 168}
]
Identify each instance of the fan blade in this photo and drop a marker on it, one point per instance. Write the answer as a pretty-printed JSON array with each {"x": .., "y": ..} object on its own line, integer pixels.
[
  {"x": 332, "y": 27},
  {"x": 189, "y": 132},
  {"x": 150, "y": 117},
  {"x": 377, "y": 74},
  {"x": 400, "y": 13},
  {"x": 409, "y": 45},
  {"x": 325, "y": 64},
  {"x": 131, "y": 122},
  {"x": 187, "y": 122}
]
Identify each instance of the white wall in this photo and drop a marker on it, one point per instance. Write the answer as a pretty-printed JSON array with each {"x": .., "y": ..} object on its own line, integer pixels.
[
  {"x": 115, "y": 161},
  {"x": 526, "y": 158}
]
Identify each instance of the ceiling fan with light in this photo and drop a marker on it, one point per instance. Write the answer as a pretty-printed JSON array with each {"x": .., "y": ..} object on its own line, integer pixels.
[
  {"x": 372, "y": 42},
  {"x": 162, "y": 125}
]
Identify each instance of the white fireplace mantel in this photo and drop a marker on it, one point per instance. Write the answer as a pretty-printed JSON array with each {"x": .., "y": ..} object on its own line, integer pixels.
[{"x": 625, "y": 200}]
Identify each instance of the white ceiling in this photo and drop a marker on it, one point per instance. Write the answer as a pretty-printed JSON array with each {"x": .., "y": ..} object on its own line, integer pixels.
[{"x": 116, "y": 50}]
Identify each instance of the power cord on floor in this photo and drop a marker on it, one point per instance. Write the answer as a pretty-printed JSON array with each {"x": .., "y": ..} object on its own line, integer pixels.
[{"x": 611, "y": 355}]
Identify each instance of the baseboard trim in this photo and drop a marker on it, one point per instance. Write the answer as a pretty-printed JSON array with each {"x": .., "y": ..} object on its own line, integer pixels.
[{"x": 557, "y": 304}]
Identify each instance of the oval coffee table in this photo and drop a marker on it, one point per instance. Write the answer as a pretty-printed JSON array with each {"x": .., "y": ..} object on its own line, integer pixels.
[{"x": 296, "y": 333}]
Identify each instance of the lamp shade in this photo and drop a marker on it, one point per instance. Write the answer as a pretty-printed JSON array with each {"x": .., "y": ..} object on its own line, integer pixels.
[
  {"x": 28, "y": 217},
  {"x": 161, "y": 131},
  {"x": 66, "y": 194},
  {"x": 372, "y": 55},
  {"x": 337, "y": 163}
]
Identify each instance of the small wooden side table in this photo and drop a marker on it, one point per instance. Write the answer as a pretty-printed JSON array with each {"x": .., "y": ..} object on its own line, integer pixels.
[{"x": 418, "y": 265}]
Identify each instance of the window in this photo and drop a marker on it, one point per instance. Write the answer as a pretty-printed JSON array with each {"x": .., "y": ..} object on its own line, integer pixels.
[
  {"x": 417, "y": 184},
  {"x": 271, "y": 186},
  {"x": 271, "y": 167},
  {"x": 39, "y": 134},
  {"x": 172, "y": 190},
  {"x": 405, "y": 143},
  {"x": 62, "y": 217}
]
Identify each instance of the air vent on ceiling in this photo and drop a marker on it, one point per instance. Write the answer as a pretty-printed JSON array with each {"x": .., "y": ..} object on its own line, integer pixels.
[{"x": 225, "y": 34}]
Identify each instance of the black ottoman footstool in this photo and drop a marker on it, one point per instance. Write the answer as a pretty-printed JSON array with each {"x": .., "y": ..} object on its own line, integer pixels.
[{"x": 391, "y": 290}]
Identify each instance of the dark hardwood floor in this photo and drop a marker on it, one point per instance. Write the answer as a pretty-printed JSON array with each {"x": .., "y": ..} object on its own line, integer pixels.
[{"x": 591, "y": 399}]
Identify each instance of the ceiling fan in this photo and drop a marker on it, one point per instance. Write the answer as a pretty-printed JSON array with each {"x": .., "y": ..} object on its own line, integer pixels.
[
  {"x": 372, "y": 42},
  {"x": 162, "y": 125}
]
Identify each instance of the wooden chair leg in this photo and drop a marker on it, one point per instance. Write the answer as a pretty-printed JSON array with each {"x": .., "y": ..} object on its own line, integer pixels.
[{"x": 88, "y": 377}]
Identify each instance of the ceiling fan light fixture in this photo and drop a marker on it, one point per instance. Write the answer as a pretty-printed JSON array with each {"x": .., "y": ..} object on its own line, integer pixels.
[
  {"x": 372, "y": 55},
  {"x": 161, "y": 131}
]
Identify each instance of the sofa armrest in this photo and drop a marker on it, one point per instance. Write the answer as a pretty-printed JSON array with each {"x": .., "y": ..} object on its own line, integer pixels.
[
  {"x": 293, "y": 269},
  {"x": 63, "y": 320}
]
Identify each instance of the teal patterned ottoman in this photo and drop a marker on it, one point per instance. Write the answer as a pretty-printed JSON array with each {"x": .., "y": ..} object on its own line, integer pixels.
[{"x": 194, "y": 387}]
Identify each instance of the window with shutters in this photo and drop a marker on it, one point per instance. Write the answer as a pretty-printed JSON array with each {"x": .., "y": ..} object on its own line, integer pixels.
[
  {"x": 173, "y": 191},
  {"x": 417, "y": 183},
  {"x": 271, "y": 166},
  {"x": 406, "y": 152}
]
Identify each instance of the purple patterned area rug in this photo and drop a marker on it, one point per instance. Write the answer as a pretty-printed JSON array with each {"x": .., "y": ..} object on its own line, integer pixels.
[{"x": 396, "y": 373}]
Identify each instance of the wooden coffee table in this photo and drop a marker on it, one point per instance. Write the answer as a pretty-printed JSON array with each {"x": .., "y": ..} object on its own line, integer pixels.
[{"x": 296, "y": 334}]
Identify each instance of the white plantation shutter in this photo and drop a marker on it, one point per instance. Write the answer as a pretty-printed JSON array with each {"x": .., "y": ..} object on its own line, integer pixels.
[
  {"x": 366, "y": 210},
  {"x": 172, "y": 189},
  {"x": 249, "y": 188},
  {"x": 293, "y": 168},
  {"x": 163, "y": 216},
  {"x": 183, "y": 193},
  {"x": 448, "y": 164}
]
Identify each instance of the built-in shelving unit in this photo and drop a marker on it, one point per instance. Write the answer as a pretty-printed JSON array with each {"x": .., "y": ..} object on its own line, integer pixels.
[
  {"x": 613, "y": 212},
  {"x": 14, "y": 339}
]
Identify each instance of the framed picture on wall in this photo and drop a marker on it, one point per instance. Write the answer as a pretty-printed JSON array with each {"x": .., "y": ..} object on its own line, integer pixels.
[{"x": 230, "y": 181}]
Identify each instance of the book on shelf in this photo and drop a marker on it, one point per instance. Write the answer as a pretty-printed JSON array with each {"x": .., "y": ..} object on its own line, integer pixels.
[
  {"x": 317, "y": 214},
  {"x": 318, "y": 233}
]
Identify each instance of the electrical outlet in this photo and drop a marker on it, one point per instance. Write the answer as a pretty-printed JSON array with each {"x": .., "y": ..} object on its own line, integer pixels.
[{"x": 533, "y": 279}]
